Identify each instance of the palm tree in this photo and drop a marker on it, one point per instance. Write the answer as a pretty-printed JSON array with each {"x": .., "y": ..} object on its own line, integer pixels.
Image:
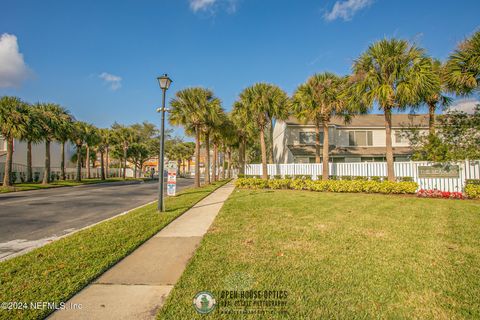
[
  {"x": 319, "y": 99},
  {"x": 463, "y": 67},
  {"x": 189, "y": 153},
  {"x": 78, "y": 137},
  {"x": 107, "y": 138},
  {"x": 13, "y": 124},
  {"x": 260, "y": 101},
  {"x": 395, "y": 75},
  {"x": 192, "y": 109},
  {"x": 243, "y": 128},
  {"x": 124, "y": 136},
  {"x": 218, "y": 133},
  {"x": 52, "y": 117},
  {"x": 435, "y": 97},
  {"x": 92, "y": 139},
  {"x": 62, "y": 135},
  {"x": 32, "y": 135}
]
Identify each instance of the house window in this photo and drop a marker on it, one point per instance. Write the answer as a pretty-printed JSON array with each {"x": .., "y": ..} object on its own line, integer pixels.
[
  {"x": 400, "y": 137},
  {"x": 309, "y": 137},
  {"x": 360, "y": 138},
  {"x": 3, "y": 144}
]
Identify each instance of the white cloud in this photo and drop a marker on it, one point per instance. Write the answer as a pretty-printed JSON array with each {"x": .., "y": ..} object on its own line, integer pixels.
[
  {"x": 211, "y": 6},
  {"x": 346, "y": 9},
  {"x": 115, "y": 82},
  {"x": 201, "y": 5},
  {"x": 465, "y": 105},
  {"x": 13, "y": 70}
]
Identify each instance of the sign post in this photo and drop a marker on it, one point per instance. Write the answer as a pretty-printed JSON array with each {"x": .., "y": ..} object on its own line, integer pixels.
[{"x": 172, "y": 178}]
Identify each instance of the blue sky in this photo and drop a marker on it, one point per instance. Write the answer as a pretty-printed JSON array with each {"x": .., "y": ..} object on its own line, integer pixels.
[{"x": 100, "y": 58}]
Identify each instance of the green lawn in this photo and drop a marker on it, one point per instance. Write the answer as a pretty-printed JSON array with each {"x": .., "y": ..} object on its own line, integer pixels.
[
  {"x": 339, "y": 256},
  {"x": 60, "y": 183},
  {"x": 57, "y": 271}
]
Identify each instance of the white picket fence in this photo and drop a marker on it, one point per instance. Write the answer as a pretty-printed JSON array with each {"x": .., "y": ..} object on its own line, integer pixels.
[{"x": 468, "y": 170}]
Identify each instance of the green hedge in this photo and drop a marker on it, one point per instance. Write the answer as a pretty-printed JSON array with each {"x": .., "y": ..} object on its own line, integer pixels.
[
  {"x": 370, "y": 186},
  {"x": 472, "y": 191}
]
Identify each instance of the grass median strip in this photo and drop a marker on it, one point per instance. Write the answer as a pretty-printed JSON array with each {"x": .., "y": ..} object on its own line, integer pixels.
[
  {"x": 60, "y": 183},
  {"x": 57, "y": 271},
  {"x": 338, "y": 256}
]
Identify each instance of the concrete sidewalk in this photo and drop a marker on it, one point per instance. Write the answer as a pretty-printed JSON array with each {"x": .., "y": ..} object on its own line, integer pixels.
[{"x": 137, "y": 286}]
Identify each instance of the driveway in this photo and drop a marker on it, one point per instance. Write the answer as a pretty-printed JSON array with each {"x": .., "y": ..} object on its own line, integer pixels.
[{"x": 30, "y": 219}]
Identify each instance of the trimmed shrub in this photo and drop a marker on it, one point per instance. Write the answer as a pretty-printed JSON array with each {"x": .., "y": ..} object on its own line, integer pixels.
[
  {"x": 472, "y": 191},
  {"x": 356, "y": 185}
]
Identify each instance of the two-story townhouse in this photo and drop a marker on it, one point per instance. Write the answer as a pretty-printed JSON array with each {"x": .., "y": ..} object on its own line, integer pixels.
[{"x": 361, "y": 139}]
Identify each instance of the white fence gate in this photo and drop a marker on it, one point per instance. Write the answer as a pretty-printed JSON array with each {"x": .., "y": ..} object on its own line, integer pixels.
[{"x": 467, "y": 170}]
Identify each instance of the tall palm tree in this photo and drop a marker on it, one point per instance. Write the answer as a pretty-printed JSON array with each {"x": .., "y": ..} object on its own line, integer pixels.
[
  {"x": 32, "y": 136},
  {"x": 62, "y": 135},
  {"x": 394, "y": 74},
  {"x": 213, "y": 120},
  {"x": 260, "y": 100},
  {"x": 52, "y": 118},
  {"x": 92, "y": 140},
  {"x": 78, "y": 137},
  {"x": 243, "y": 129},
  {"x": 322, "y": 97},
  {"x": 218, "y": 133},
  {"x": 107, "y": 137},
  {"x": 192, "y": 109},
  {"x": 124, "y": 136},
  {"x": 463, "y": 67},
  {"x": 435, "y": 97},
  {"x": 13, "y": 124}
]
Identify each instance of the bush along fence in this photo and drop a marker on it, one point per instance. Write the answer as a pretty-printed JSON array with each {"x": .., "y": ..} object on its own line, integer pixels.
[
  {"x": 450, "y": 177},
  {"x": 19, "y": 173},
  {"x": 358, "y": 184}
]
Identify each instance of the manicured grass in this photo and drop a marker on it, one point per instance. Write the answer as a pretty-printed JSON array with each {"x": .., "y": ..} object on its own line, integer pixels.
[
  {"x": 339, "y": 256},
  {"x": 60, "y": 183},
  {"x": 55, "y": 272}
]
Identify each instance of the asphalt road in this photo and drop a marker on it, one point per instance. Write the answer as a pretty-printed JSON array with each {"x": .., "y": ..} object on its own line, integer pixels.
[{"x": 30, "y": 219}]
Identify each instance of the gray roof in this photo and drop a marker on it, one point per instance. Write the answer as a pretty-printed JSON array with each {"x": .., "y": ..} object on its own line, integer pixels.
[{"x": 373, "y": 120}]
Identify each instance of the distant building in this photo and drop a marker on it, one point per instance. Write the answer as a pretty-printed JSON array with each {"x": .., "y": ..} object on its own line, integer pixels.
[
  {"x": 362, "y": 139},
  {"x": 38, "y": 153}
]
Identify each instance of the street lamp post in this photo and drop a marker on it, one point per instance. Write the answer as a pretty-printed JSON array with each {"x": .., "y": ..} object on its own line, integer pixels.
[{"x": 164, "y": 82}]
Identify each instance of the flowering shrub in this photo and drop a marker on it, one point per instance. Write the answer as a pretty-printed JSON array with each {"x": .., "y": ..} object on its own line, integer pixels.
[
  {"x": 369, "y": 186},
  {"x": 422, "y": 193}
]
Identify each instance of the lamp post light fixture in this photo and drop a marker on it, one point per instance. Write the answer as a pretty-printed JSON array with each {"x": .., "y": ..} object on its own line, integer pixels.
[{"x": 164, "y": 82}]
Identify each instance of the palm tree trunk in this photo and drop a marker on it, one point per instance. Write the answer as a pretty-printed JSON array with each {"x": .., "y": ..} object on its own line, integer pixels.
[
  {"x": 270, "y": 153},
  {"x": 8, "y": 163},
  {"x": 223, "y": 164},
  {"x": 241, "y": 156},
  {"x": 125, "y": 162},
  {"x": 229, "y": 170},
  {"x": 78, "y": 178},
  {"x": 431, "y": 118},
  {"x": 62, "y": 161},
  {"x": 102, "y": 166},
  {"x": 197, "y": 157},
  {"x": 214, "y": 165},
  {"x": 87, "y": 162},
  {"x": 317, "y": 142},
  {"x": 207, "y": 167},
  {"x": 107, "y": 165},
  {"x": 388, "y": 143},
  {"x": 179, "y": 166},
  {"x": 188, "y": 165},
  {"x": 264, "y": 154},
  {"x": 46, "y": 171},
  {"x": 29, "y": 162},
  {"x": 325, "y": 151}
]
